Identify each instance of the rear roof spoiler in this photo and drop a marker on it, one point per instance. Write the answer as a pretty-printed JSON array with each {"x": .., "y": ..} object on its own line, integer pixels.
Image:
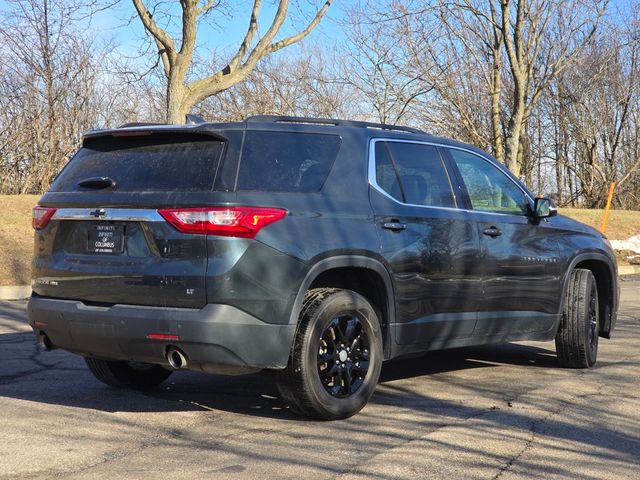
[
  {"x": 147, "y": 130},
  {"x": 190, "y": 119}
]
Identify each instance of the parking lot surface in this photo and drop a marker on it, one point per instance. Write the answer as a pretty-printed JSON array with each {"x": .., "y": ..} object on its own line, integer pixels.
[{"x": 493, "y": 412}]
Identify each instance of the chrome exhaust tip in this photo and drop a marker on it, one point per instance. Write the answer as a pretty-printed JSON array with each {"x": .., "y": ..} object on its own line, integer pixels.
[
  {"x": 45, "y": 342},
  {"x": 176, "y": 358}
]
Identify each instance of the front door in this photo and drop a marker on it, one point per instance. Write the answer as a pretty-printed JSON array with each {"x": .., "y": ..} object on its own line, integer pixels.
[{"x": 521, "y": 268}]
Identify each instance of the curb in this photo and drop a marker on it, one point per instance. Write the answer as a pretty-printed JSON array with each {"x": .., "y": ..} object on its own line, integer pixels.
[
  {"x": 15, "y": 292},
  {"x": 628, "y": 270}
]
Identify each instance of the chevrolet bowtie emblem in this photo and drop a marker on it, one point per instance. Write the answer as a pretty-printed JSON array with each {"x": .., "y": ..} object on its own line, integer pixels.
[{"x": 101, "y": 212}]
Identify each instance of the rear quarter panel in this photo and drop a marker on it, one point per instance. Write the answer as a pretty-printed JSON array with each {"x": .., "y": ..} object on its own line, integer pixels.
[{"x": 335, "y": 221}]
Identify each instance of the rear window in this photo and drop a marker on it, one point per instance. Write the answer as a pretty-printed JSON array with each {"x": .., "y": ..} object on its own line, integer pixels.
[
  {"x": 153, "y": 163},
  {"x": 286, "y": 162}
]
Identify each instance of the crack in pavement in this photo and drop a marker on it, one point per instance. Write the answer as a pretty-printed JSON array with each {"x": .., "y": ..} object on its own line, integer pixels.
[
  {"x": 529, "y": 443},
  {"x": 357, "y": 470},
  {"x": 106, "y": 458},
  {"x": 42, "y": 367},
  {"x": 534, "y": 426},
  {"x": 11, "y": 379},
  {"x": 156, "y": 438}
]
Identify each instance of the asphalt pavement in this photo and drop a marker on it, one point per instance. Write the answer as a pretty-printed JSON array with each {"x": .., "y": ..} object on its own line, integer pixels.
[{"x": 503, "y": 412}]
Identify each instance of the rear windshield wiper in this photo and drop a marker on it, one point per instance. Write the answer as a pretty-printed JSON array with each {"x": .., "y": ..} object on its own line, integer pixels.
[{"x": 97, "y": 182}]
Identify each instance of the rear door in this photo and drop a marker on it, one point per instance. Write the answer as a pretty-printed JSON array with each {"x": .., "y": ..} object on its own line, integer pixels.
[
  {"x": 106, "y": 242},
  {"x": 430, "y": 246}
]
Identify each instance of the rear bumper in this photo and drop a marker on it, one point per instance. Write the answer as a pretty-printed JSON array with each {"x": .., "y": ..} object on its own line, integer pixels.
[{"x": 215, "y": 336}]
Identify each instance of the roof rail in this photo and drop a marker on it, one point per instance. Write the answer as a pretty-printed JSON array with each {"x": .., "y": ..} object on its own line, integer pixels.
[
  {"x": 138, "y": 124},
  {"x": 329, "y": 121}
]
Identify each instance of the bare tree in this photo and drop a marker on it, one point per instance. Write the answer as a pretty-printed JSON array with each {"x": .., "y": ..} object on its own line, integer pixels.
[
  {"x": 541, "y": 39},
  {"x": 387, "y": 78},
  {"x": 600, "y": 108},
  {"x": 304, "y": 84},
  {"x": 183, "y": 93},
  {"x": 502, "y": 52},
  {"x": 46, "y": 99}
]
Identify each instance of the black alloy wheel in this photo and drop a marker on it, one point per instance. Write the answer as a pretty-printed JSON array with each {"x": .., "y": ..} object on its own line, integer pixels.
[
  {"x": 336, "y": 358},
  {"x": 593, "y": 319},
  {"x": 343, "y": 356}
]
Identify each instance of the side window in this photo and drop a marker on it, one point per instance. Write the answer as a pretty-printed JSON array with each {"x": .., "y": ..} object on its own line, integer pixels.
[
  {"x": 386, "y": 176},
  {"x": 286, "y": 162},
  {"x": 413, "y": 173},
  {"x": 489, "y": 189}
]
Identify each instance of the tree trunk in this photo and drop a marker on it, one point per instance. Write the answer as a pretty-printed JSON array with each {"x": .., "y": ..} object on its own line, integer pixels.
[
  {"x": 561, "y": 153},
  {"x": 176, "y": 109},
  {"x": 514, "y": 133},
  {"x": 496, "y": 124},
  {"x": 177, "y": 104}
]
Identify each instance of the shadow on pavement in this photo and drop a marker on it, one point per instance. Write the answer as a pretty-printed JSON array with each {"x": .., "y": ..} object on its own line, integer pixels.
[
  {"x": 58, "y": 377},
  {"x": 467, "y": 358}
]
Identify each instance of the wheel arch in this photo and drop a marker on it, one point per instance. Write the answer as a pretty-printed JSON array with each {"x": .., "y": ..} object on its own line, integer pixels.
[
  {"x": 364, "y": 275},
  {"x": 607, "y": 283}
]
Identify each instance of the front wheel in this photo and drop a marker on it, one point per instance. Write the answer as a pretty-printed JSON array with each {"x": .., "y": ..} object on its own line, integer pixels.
[
  {"x": 336, "y": 358},
  {"x": 577, "y": 337},
  {"x": 136, "y": 375}
]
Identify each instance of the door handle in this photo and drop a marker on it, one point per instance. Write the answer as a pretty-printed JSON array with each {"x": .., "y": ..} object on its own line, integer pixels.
[
  {"x": 394, "y": 226},
  {"x": 492, "y": 231}
]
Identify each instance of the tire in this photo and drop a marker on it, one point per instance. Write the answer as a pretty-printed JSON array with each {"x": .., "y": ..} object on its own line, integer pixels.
[
  {"x": 577, "y": 337},
  {"x": 138, "y": 376},
  {"x": 336, "y": 358}
]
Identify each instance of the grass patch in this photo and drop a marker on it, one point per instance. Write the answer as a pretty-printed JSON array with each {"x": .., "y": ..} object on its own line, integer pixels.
[
  {"x": 622, "y": 224},
  {"x": 16, "y": 234},
  {"x": 16, "y": 238}
]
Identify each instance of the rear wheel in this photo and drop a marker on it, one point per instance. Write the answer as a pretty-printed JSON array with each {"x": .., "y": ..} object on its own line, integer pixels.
[
  {"x": 136, "y": 375},
  {"x": 577, "y": 337},
  {"x": 336, "y": 358}
]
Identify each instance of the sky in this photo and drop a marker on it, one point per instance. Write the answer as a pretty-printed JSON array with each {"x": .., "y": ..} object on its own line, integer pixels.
[{"x": 119, "y": 26}]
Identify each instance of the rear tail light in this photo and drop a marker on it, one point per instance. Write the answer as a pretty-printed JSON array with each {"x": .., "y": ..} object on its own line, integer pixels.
[
  {"x": 243, "y": 222},
  {"x": 41, "y": 216}
]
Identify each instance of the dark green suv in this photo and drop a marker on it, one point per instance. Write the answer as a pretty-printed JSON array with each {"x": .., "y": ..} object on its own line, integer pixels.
[{"x": 316, "y": 248}]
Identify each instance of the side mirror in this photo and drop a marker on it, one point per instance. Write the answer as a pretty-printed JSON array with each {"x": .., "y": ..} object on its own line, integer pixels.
[{"x": 544, "y": 207}]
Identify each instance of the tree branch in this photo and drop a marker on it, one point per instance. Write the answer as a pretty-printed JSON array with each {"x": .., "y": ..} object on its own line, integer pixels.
[
  {"x": 508, "y": 41},
  {"x": 238, "y": 67},
  {"x": 248, "y": 38},
  {"x": 162, "y": 55},
  {"x": 302, "y": 34},
  {"x": 190, "y": 13},
  {"x": 207, "y": 7},
  {"x": 159, "y": 35}
]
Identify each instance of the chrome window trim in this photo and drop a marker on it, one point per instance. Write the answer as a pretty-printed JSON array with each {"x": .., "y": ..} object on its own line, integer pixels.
[
  {"x": 119, "y": 214},
  {"x": 373, "y": 182}
]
